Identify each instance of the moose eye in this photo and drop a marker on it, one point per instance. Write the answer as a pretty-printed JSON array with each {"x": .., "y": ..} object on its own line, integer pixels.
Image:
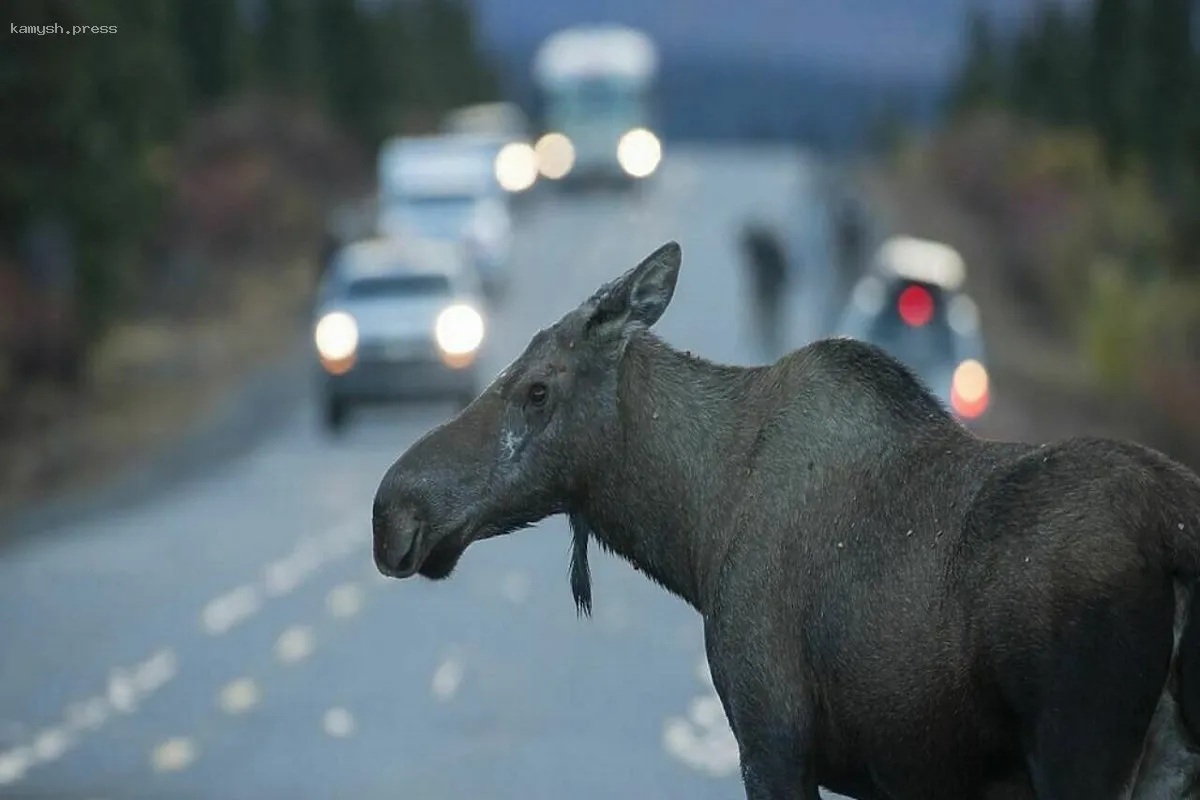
[{"x": 537, "y": 394}]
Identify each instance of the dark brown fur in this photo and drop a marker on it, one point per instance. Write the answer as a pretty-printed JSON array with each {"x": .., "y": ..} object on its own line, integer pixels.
[{"x": 893, "y": 607}]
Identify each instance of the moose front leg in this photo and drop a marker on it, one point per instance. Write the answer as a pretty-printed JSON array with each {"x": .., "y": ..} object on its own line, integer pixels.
[
  {"x": 776, "y": 762},
  {"x": 776, "y": 752}
]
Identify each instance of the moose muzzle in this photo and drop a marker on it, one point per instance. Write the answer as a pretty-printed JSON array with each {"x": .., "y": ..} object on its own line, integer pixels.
[{"x": 400, "y": 538}]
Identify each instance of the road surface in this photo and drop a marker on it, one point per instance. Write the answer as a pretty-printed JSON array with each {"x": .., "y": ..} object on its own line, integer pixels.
[{"x": 232, "y": 639}]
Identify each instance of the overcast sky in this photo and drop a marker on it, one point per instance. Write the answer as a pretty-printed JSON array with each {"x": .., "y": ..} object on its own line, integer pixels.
[{"x": 917, "y": 38}]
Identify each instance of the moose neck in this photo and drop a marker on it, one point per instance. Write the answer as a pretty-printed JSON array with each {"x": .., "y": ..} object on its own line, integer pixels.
[{"x": 657, "y": 502}]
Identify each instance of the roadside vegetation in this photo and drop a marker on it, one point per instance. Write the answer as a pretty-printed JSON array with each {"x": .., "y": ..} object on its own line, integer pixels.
[
  {"x": 163, "y": 195},
  {"x": 1075, "y": 141}
]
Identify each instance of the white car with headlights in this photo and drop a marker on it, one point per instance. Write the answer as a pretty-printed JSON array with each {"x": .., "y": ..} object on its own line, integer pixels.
[
  {"x": 396, "y": 319},
  {"x": 446, "y": 187},
  {"x": 597, "y": 83},
  {"x": 911, "y": 304}
]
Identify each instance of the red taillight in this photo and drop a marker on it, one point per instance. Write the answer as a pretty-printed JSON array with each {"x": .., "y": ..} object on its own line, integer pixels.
[
  {"x": 969, "y": 389},
  {"x": 915, "y": 306}
]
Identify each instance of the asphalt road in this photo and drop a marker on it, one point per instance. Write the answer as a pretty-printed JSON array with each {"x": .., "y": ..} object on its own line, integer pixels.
[{"x": 232, "y": 639}]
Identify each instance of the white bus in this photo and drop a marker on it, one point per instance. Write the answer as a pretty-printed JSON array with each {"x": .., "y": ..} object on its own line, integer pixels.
[{"x": 597, "y": 86}]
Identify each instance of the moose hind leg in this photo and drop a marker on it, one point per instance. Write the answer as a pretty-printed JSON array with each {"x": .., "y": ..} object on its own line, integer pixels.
[
  {"x": 1097, "y": 689},
  {"x": 1170, "y": 766}
]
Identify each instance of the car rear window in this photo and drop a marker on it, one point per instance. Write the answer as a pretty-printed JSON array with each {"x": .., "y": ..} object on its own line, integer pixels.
[
  {"x": 398, "y": 286},
  {"x": 913, "y": 327}
]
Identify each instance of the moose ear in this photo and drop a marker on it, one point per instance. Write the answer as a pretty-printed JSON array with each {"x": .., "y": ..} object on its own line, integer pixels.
[{"x": 639, "y": 297}]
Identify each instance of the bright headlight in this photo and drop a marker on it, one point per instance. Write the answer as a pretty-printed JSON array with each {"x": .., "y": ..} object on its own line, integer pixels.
[
  {"x": 639, "y": 152},
  {"x": 516, "y": 167},
  {"x": 336, "y": 336},
  {"x": 555, "y": 155},
  {"x": 459, "y": 330}
]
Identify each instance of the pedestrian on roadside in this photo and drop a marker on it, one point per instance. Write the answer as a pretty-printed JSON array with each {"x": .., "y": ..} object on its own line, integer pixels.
[{"x": 767, "y": 265}]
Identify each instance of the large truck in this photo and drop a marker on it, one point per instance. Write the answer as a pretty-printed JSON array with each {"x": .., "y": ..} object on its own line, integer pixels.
[{"x": 597, "y": 87}]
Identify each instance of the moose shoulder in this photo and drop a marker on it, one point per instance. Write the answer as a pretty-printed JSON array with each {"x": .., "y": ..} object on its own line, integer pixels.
[{"x": 893, "y": 607}]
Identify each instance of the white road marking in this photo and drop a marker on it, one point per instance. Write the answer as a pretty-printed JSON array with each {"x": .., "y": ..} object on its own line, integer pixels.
[
  {"x": 707, "y": 713},
  {"x": 338, "y": 723},
  {"x": 155, "y": 672},
  {"x": 14, "y": 764},
  {"x": 173, "y": 755},
  {"x": 122, "y": 695},
  {"x": 50, "y": 744},
  {"x": 516, "y": 587},
  {"x": 282, "y": 576},
  {"x": 714, "y": 752},
  {"x": 87, "y": 715},
  {"x": 229, "y": 609},
  {"x": 703, "y": 740},
  {"x": 345, "y": 600},
  {"x": 125, "y": 689},
  {"x": 294, "y": 644},
  {"x": 446, "y": 678},
  {"x": 239, "y": 696}
]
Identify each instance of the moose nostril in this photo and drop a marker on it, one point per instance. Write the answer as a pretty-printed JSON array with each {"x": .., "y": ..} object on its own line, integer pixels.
[{"x": 397, "y": 533}]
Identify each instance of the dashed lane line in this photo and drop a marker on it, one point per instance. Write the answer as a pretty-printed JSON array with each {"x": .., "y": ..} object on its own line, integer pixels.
[
  {"x": 174, "y": 755},
  {"x": 345, "y": 600},
  {"x": 239, "y": 696},
  {"x": 127, "y": 688},
  {"x": 338, "y": 723},
  {"x": 125, "y": 691},
  {"x": 446, "y": 678},
  {"x": 282, "y": 576},
  {"x": 295, "y": 644}
]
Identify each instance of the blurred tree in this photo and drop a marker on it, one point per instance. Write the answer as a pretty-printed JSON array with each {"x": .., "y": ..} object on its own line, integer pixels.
[
  {"x": 85, "y": 127},
  {"x": 88, "y": 123},
  {"x": 287, "y": 57},
  {"x": 214, "y": 45},
  {"x": 1047, "y": 67},
  {"x": 393, "y": 40},
  {"x": 981, "y": 80},
  {"x": 1111, "y": 74},
  {"x": 1168, "y": 89},
  {"x": 447, "y": 67},
  {"x": 350, "y": 64}
]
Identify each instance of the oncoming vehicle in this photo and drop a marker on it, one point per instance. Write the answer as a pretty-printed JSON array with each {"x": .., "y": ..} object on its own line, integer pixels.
[
  {"x": 597, "y": 84},
  {"x": 396, "y": 319},
  {"x": 507, "y": 128},
  {"x": 912, "y": 305},
  {"x": 444, "y": 187}
]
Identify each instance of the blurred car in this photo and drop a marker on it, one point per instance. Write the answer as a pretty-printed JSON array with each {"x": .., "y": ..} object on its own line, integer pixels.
[
  {"x": 396, "y": 319},
  {"x": 911, "y": 304},
  {"x": 444, "y": 187},
  {"x": 507, "y": 128}
]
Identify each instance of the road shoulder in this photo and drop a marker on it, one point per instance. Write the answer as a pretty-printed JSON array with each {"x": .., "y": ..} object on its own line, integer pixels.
[{"x": 244, "y": 415}]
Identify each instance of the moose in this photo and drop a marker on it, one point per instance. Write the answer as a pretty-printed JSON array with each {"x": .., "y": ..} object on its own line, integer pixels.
[{"x": 894, "y": 608}]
